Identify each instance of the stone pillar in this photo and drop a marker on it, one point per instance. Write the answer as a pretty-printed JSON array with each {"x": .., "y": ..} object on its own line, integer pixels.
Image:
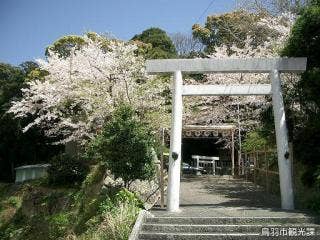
[
  {"x": 284, "y": 160},
  {"x": 175, "y": 145}
]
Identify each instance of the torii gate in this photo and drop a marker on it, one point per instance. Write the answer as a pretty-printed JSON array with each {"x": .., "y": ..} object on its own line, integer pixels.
[{"x": 273, "y": 66}]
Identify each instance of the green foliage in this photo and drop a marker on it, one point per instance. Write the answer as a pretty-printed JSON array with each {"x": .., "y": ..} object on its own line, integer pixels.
[
  {"x": 313, "y": 203},
  {"x": 32, "y": 145},
  {"x": 161, "y": 44},
  {"x": 304, "y": 41},
  {"x": 230, "y": 28},
  {"x": 67, "y": 170},
  {"x": 11, "y": 81},
  {"x": 95, "y": 175},
  {"x": 118, "y": 225},
  {"x": 125, "y": 145},
  {"x": 32, "y": 71},
  {"x": 58, "y": 225},
  {"x": 118, "y": 214},
  {"x": 111, "y": 204},
  {"x": 92, "y": 212},
  {"x": 254, "y": 141},
  {"x": 64, "y": 45},
  {"x": 14, "y": 201},
  {"x": 315, "y": 2}
]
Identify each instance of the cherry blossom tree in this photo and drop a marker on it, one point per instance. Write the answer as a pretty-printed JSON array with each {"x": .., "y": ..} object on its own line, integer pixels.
[{"x": 82, "y": 90}]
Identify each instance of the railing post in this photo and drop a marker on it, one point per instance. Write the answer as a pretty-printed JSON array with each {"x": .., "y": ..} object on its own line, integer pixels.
[
  {"x": 161, "y": 172},
  {"x": 245, "y": 166},
  {"x": 266, "y": 162},
  {"x": 254, "y": 167},
  {"x": 232, "y": 152}
]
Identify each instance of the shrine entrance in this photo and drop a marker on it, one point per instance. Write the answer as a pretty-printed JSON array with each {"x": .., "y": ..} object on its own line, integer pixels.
[
  {"x": 273, "y": 66},
  {"x": 208, "y": 143}
]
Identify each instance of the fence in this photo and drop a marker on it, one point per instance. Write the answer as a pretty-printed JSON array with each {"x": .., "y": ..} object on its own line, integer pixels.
[{"x": 261, "y": 167}]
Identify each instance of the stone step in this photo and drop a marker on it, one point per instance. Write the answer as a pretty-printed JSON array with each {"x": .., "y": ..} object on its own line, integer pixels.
[
  {"x": 215, "y": 236},
  {"x": 230, "y": 228},
  {"x": 232, "y": 220}
]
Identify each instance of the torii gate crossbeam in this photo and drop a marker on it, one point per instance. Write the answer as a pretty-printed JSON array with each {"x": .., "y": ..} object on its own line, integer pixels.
[{"x": 273, "y": 66}]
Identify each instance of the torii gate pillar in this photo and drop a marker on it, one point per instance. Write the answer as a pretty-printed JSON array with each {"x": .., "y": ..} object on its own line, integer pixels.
[
  {"x": 173, "y": 194},
  {"x": 284, "y": 160}
]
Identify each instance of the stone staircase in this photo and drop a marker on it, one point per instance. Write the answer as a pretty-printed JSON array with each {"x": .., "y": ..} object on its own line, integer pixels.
[{"x": 205, "y": 228}]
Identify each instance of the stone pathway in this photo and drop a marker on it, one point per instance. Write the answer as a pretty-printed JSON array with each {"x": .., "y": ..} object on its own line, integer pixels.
[{"x": 224, "y": 196}]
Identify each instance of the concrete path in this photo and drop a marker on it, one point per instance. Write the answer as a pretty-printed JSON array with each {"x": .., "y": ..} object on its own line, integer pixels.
[{"x": 224, "y": 196}]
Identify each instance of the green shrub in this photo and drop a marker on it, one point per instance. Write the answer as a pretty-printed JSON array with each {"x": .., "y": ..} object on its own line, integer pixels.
[
  {"x": 14, "y": 201},
  {"x": 304, "y": 41},
  {"x": 118, "y": 213},
  {"x": 125, "y": 145},
  {"x": 67, "y": 170},
  {"x": 313, "y": 203},
  {"x": 254, "y": 141},
  {"x": 58, "y": 225},
  {"x": 118, "y": 225},
  {"x": 95, "y": 176},
  {"x": 111, "y": 203}
]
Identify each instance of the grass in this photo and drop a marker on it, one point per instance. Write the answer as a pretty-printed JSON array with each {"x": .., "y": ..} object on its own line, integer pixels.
[{"x": 114, "y": 225}]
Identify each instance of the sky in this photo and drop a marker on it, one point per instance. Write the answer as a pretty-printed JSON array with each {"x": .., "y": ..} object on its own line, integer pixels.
[{"x": 29, "y": 26}]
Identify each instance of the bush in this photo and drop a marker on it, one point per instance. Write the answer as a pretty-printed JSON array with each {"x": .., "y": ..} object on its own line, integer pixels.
[
  {"x": 118, "y": 214},
  {"x": 67, "y": 170},
  {"x": 118, "y": 226},
  {"x": 14, "y": 201},
  {"x": 58, "y": 225},
  {"x": 254, "y": 141},
  {"x": 123, "y": 196},
  {"x": 125, "y": 145},
  {"x": 304, "y": 41}
]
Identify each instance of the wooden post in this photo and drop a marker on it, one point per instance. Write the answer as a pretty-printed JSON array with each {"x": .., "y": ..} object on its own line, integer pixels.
[
  {"x": 266, "y": 162},
  {"x": 243, "y": 162},
  {"x": 161, "y": 172},
  {"x": 232, "y": 152},
  {"x": 257, "y": 167},
  {"x": 239, "y": 162},
  {"x": 245, "y": 165},
  {"x": 254, "y": 167}
]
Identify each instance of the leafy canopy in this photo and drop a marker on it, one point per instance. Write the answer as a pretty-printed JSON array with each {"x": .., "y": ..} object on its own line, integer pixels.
[
  {"x": 125, "y": 145},
  {"x": 230, "y": 29},
  {"x": 305, "y": 37},
  {"x": 162, "y": 45},
  {"x": 254, "y": 141},
  {"x": 33, "y": 146},
  {"x": 305, "y": 42}
]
